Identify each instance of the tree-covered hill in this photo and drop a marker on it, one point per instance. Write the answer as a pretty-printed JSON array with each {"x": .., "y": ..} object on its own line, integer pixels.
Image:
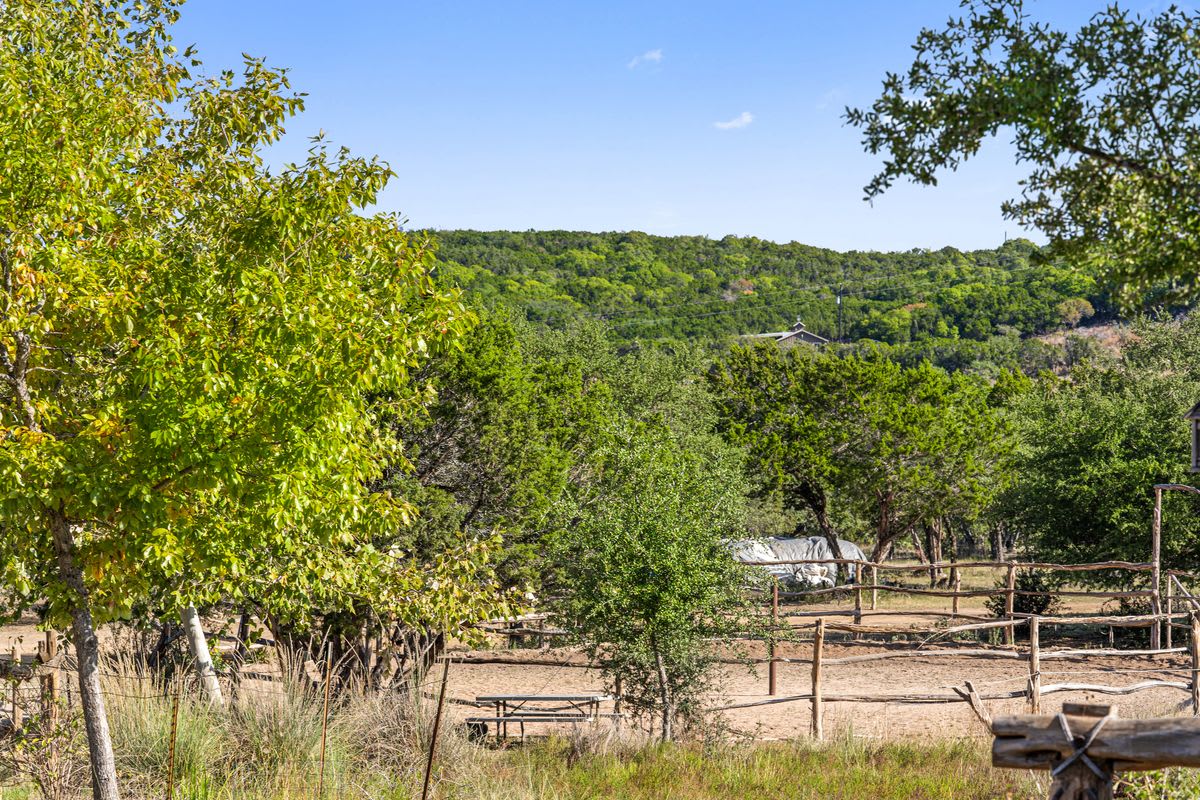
[{"x": 693, "y": 287}]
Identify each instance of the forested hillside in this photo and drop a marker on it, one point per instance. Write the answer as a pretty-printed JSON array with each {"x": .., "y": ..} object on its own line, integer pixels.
[{"x": 692, "y": 287}]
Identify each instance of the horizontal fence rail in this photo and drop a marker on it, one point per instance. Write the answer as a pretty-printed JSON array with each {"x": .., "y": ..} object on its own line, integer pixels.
[{"x": 1172, "y": 607}]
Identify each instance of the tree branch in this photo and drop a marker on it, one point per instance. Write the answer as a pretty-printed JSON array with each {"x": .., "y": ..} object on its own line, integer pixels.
[
  {"x": 17, "y": 373},
  {"x": 1120, "y": 162}
]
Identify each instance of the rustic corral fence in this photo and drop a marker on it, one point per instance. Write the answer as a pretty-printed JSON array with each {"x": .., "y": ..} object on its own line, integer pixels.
[
  {"x": 1171, "y": 604},
  {"x": 34, "y": 680}
]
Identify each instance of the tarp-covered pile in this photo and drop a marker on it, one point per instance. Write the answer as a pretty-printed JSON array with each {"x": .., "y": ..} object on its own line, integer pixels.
[{"x": 810, "y": 548}]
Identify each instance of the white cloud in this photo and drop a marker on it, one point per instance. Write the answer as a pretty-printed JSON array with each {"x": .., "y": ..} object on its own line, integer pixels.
[
  {"x": 834, "y": 97},
  {"x": 740, "y": 121},
  {"x": 649, "y": 57}
]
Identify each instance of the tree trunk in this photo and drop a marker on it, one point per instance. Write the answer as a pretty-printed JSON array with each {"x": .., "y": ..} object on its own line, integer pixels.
[
  {"x": 933, "y": 548},
  {"x": 883, "y": 533},
  {"x": 916, "y": 540},
  {"x": 241, "y": 654},
  {"x": 194, "y": 630},
  {"x": 997, "y": 542},
  {"x": 814, "y": 498},
  {"x": 87, "y": 652},
  {"x": 668, "y": 711}
]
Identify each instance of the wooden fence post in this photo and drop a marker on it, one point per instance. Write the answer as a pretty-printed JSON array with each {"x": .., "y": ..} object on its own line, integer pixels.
[
  {"x": 956, "y": 582},
  {"x": 771, "y": 664},
  {"x": 874, "y": 583},
  {"x": 1085, "y": 745},
  {"x": 1170, "y": 606},
  {"x": 1035, "y": 668},
  {"x": 818, "y": 723},
  {"x": 1009, "y": 593},
  {"x": 52, "y": 678},
  {"x": 858, "y": 597},
  {"x": 1155, "y": 565},
  {"x": 1194, "y": 647}
]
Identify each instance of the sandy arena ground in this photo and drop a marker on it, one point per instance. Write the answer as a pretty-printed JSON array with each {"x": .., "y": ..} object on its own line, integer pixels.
[
  {"x": 911, "y": 675},
  {"x": 934, "y": 675}
]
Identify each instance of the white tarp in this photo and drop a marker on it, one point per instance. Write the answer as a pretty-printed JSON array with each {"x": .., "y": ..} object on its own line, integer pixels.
[{"x": 810, "y": 548}]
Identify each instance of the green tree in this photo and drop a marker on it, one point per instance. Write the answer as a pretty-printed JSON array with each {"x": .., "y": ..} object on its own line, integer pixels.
[
  {"x": 900, "y": 445},
  {"x": 932, "y": 449},
  {"x": 194, "y": 351},
  {"x": 497, "y": 445},
  {"x": 1074, "y": 310},
  {"x": 1092, "y": 446},
  {"x": 786, "y": 408},
  {"x": 647, "y": 579},
  {"x": 1106, "y": 118}
]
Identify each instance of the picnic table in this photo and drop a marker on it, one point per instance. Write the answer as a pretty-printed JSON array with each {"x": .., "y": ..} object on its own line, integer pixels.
[{"x": 522, "y": 708}]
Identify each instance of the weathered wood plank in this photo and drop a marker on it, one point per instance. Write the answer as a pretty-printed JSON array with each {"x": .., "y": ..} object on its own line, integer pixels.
[{"x": 1028, "y": 741}]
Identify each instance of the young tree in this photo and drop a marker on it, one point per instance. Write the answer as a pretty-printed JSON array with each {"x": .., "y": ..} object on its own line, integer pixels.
[
  {"x": 647, "y": 580},
  {"x": 1107, "y": 119},
  {"x": 194, "y": 351}
]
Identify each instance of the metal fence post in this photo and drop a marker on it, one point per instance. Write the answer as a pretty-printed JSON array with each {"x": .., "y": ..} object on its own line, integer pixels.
[
  {"x": 171, "y": 744},
  {"x": 325, "y": 721},
  {"x": 818, "y": 722}
]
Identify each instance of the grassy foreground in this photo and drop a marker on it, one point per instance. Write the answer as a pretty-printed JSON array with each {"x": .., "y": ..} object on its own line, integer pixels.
[
  {"x": 845, "y": 769},
  {"x": 546, "y": 771},
  {"x": 267, "y": 747}
]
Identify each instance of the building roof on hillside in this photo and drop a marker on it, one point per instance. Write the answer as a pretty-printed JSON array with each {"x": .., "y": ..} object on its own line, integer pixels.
[{"x": 793, "y": 335}]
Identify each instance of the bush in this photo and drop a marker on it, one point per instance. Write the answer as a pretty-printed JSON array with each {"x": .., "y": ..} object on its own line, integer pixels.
[{"x": 1027, "y": 581}]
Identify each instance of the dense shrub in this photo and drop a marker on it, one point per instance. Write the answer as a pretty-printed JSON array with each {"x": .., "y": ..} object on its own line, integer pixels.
[{"x": 1027, "y": 581}]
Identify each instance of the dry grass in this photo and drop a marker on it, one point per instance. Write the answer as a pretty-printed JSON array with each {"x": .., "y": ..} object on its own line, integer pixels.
[{"x": 267, "y": 746}]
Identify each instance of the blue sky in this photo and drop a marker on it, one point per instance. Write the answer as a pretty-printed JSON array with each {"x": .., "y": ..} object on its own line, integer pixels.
[{"x": 706, "y": 118}]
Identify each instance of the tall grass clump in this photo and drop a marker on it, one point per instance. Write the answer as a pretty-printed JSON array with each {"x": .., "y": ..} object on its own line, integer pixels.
[
  {"x": 140, "y": 705},
  {"x": 266, "y": 744}
]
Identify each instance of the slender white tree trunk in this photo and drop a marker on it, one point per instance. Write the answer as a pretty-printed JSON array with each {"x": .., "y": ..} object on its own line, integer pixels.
[
  {"x": 204, "y": 665},
  {"x": 87, "y": 651},
  {"x": 668, "y": 707}
]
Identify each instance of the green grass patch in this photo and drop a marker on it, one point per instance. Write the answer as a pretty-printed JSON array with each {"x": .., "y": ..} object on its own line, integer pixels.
[{"x": 846, "y": 769}]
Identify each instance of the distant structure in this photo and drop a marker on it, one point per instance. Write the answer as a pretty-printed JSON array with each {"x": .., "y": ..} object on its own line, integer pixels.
[
  {"x": 1193, "y": 417},
  {"x": 794, "y": 335}
]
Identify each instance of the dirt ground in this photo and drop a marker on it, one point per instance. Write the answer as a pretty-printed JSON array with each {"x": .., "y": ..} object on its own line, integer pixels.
[{"x": 935, "y": 675}]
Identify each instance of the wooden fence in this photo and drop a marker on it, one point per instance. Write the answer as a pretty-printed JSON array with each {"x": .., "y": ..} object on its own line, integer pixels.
[
  {"x": 41, "y": 671},
  {"x": 1033, "y": 655},
  {"x": 1172, "y": 609},
  {"x": 1179, "y": 609}
]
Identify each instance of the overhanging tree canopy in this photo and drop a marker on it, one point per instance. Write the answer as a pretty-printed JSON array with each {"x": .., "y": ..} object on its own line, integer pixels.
[{"x": 1107, "y": 118}]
